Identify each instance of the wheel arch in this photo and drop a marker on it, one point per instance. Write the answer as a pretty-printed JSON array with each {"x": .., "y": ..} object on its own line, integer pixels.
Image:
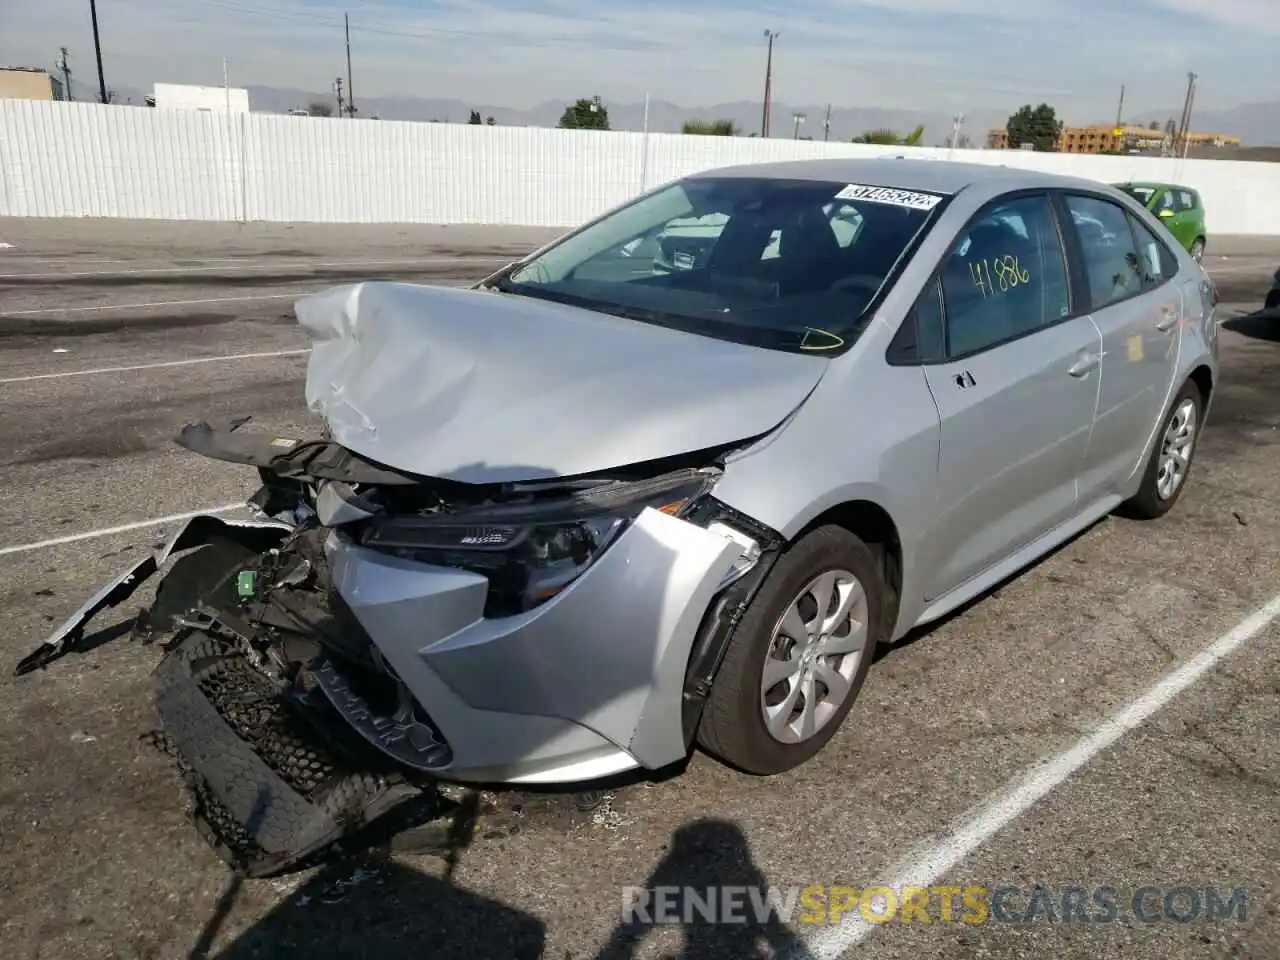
[
  {"x": 865, "y": 519},
  {"x": 1202, "y": 377},
  {"x": 873, "y": 525}
]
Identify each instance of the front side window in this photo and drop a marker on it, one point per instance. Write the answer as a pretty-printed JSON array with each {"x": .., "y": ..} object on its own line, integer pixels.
[
  {"x": 1005, "y": 277},
  {"x": 785, "y": 264},
  {"x": 1111, "y": 258}
]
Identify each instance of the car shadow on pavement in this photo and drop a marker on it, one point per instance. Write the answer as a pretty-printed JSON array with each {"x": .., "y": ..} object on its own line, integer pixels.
[
  {"x": 372, "y": 906},
  {"x": 386, "y": 911},
  {"x": 704, "y": 857},
  {"x": 1260, "y": 325}
]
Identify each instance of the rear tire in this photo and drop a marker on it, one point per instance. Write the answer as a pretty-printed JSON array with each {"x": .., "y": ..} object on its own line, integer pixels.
[
  {"x": 830, "y": 562},
  {"x": 1169, "y": 466}
]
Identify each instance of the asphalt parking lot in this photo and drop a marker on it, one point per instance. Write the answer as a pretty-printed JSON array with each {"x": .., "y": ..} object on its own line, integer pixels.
[{"x": 113, "y": 335}]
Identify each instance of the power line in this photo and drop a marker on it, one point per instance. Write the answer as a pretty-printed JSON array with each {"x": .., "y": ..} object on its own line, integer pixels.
[{"x": 1019, "y": 83}]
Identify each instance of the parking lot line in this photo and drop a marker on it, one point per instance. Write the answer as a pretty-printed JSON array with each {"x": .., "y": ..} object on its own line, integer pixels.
[
  {"x": 1236, "y": 268},
  {"x": 153, "y": 366},
  {"x": 123, "y": 528},
  {"x": 140, "y": 271},
  {"x": 153, "y": 303},
  {"x": 930, "y": 863}
]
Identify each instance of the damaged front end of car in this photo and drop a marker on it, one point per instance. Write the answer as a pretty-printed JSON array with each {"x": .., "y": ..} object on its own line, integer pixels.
[{"x": 294, "y": 729}]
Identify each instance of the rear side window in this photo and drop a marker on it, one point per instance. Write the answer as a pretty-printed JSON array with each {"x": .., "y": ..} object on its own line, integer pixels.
[
  {"x": 1111, "y": 260},
  {"x": 1156, "y": 263},
  {"x": 1006, "y": 276}
]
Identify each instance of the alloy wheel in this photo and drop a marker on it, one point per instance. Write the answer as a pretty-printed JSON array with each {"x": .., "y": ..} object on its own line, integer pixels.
[
  {"x": 1175, "y": 450},
  {"x": 813, "y": 656}
]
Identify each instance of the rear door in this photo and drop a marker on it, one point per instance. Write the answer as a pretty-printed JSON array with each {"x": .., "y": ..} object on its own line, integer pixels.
[
  {"x": 1014, "y": 376},
  {"x": 1188, "y": 218},
  {"x": 1127, "y": 273}
]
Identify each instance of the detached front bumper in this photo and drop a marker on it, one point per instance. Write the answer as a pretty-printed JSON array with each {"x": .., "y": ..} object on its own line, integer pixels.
[
  {"x": 285, "y": 724},
  {"x": 587, "y": 685},
  {"x": 196, "y": 531}
]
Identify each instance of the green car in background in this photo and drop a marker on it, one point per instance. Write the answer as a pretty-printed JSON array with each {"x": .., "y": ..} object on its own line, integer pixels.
[{"x": 1178, "y": 208}]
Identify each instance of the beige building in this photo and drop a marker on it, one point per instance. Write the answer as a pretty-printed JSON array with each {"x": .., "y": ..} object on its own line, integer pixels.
[
  {"x": 1102, "y": 137},
  {"x": 29, "y": 83}
]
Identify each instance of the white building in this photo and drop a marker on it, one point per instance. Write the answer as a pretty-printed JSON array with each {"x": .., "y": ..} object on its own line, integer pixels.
[{"x": 184, "y": 96}]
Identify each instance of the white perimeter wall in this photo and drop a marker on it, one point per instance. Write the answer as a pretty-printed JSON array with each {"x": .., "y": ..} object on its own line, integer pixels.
[{"x": 61, "y": 159}]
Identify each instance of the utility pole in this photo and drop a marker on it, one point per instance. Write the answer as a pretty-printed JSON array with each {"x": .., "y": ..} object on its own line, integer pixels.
[
  {"x": 337, "y": 92},
  {"x": 1191, "y": 102},
  {"x": 226, "y": 85},
  {"x": 1120, "y": 109},
  {"x": 797, "y": 119},
  {"x": 826, "y": 125},
  {"x": 770, "y": 35},
  {"x": 351, "y": 95},
  {"x": 1184, "y": 123},
  {"x": 66, "y": 74},
  {"x": 97, "y": 49}
]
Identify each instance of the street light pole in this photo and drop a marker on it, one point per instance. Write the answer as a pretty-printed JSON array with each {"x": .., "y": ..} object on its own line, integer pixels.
[
  {"x": 956, "y": 122},
  {"x": 351, "y": 95},
  {"x": 770, "y": 35},
  {"x": 97, "y": 49}
]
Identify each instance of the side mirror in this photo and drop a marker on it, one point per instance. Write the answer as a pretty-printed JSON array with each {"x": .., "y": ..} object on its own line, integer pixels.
[{"x": 1165, "y": 213}]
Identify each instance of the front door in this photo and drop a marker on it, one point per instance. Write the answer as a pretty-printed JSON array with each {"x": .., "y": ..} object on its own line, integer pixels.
[
  {"x": 1138, "y": 310},
  {"x": 1015, "y": 392}
]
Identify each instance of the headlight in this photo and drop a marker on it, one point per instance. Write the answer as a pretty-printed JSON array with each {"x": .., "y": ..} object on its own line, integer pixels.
[{"x": 532, "y": 551}]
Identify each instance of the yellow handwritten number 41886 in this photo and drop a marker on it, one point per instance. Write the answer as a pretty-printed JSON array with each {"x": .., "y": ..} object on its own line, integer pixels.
[{"x": 1008, "y": 272}]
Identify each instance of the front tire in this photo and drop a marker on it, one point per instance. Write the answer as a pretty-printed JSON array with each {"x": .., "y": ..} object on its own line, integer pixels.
[
  {"x": 1197, "y": 250},
  {"x": 798, "y": 657},
  {"x": 1170, "y": 465}
]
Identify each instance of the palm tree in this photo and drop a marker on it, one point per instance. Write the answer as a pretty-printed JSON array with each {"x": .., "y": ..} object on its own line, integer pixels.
[
  {"x": 710, "y": 128},
  {"x": 890, "y": 138}
]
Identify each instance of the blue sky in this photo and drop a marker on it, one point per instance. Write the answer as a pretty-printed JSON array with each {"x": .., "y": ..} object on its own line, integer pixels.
[{"x": 928, "y": 54}]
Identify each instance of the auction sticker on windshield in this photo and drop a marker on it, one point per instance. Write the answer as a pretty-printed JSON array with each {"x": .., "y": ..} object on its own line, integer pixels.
[{"x": 899, "y": 198}]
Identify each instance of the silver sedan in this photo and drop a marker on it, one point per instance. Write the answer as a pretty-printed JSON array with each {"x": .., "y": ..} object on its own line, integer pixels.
[{"x": 670, "y": 480}]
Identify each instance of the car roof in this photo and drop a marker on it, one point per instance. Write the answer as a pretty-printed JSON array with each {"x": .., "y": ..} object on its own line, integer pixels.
[
  {"x": 935, "y": 176},
  {"x": 1155, "y": 185}
]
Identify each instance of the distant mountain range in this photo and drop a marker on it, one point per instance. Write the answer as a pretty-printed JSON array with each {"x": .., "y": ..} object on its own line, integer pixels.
[{"x": 1256, "y": 123}]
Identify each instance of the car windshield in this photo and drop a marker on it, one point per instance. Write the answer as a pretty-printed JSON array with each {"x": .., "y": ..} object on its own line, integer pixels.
[
  {"x": 785, "y": 264},
  {"x": 1142, "y": 194}
]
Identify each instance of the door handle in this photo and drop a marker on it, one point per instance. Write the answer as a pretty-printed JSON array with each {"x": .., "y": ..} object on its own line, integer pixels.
[
  {"x": 1086, "y": 363},
  {"x": 1168, "y": 319}
]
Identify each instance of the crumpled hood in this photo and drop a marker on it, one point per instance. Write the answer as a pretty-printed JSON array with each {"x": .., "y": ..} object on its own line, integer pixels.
[{"x": 486, "y": 387}]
